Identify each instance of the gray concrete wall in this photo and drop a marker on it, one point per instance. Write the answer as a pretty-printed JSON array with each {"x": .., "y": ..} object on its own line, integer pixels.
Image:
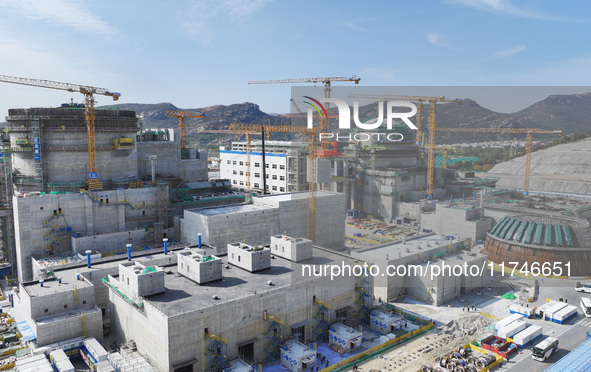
[
  {"x": 129, "y": 323},
  {"x": 241, "y": 321},
  {"x": 87, "y": 323},
  {"x": 168, "y": 157},
  {"x": 253, "y": 227},
  {"x": 82, "y": 214},
  {"x": 110, "y": 242}
]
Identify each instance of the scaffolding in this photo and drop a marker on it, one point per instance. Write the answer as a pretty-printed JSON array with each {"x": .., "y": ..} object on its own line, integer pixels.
[
  {"x": 364, "y": 287},
  {"x": 323, "y": 318},
  {"x": 7, "y": 222},
  {"x": 54, "y": 228},
  {"x": 216, "y": 351},
  {"x": 275, "y": 334}
]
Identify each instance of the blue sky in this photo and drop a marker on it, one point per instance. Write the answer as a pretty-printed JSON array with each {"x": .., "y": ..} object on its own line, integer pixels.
[{"x": 197, "y": 53}]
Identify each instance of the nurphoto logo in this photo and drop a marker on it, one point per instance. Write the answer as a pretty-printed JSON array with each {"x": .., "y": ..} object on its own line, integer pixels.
[{"x": 344, "y": 117}]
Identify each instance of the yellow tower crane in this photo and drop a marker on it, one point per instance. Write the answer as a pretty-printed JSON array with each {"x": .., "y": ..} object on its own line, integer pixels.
[
  {"x": 432, "y": 125},
  {"x": 89, "y": 101},
  {"x": 327, "y": 81},
  {"x": 255, "y": 128},
  {"x": 182, "y": 115},
  {"x": 528, "y": 142}
]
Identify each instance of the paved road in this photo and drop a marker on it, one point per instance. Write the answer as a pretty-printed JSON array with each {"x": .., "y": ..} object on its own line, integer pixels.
[{"x": 570, "y": 335}]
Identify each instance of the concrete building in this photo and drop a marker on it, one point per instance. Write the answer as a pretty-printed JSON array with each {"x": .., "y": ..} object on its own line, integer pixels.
[
  {"x": 189, "y": 165},
  {"x": 542, "y": 239},
  {"x": 293, "y": 249},
  {"x": 285, "y": 166},
  {"x": 268, "y": 215},
  {"x": 49, "y": 147},
  {"x": 234, "y": 309},
  {"x": 58, "y": 309},
  {"x": 467, "y": 221},
  {"x": 411, "y": 261},
  {"x": 387, "y": 174},
  {"x": 199, "y": 267},
  {"x": 66, "y": 224}
]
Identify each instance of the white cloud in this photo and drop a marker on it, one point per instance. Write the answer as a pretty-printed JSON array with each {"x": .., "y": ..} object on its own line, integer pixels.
[
  {"x": 201, "y": 13},
  {"x": 435, "y": 39},
  {"x": 574, "y": 71},
  {"x": 353, "y": 25},
  {"x": 510, "y": 52},
  {"x": 68, "y": 13},
  {"x": 505, "y": 7}
]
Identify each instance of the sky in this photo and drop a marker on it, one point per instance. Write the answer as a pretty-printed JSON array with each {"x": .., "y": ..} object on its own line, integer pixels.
[{"x": 198, "y": 53}]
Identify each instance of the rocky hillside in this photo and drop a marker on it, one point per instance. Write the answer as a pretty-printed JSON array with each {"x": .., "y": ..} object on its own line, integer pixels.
[{"x": 561, "y": 168}]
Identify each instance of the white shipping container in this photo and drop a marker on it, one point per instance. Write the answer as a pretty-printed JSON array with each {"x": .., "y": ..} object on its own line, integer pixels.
[
  {"x": 528, "y": 334},
  {"x": 550, "y": 312},
  {"x": 564, "y": 314},
  {"x": 518, "y": 309},
  {"x": 512, "y": 329},
  {"x": 508, "y": 320}
]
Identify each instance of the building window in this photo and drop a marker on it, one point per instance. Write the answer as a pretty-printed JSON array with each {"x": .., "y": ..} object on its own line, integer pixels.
[
  {"x": 238, "y": 258},
  {"x": 274, "y": 176},
  {"x": 256, "y": 185},
  {"x": 65, "y": 306},
  {"x": 241, "y": 163},
  {"x": 241, "y": 183},
  {"x": 257, "y": 164},
  {"x": 84, "y": 302},
  {"x": 282, "y": 178},
  {"x": 234, "y": 172},
  {"x": 234, "y": 162},
  {"x": 127, "y": 281},
  {"x": 228, "y": 162},
  {"x": 274, "y": 188},
  {"x": 233, "y": 182},
  {"x": 274, "y": 166},
  {"x": 257, "y": 175},
  {"x": 266, "y": 176},
  {"x": 282, "y": 166},
  {"x": 248, "y": 164},
  {"x": 282, "y": 189},
  {"x": 242, "y": 173},
  {"x": 266, "y": 165},
  {"x": 45, "y": 310}
]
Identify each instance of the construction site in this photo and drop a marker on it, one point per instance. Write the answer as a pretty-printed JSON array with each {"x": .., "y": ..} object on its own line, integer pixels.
[{"x": 120, "y": 253}]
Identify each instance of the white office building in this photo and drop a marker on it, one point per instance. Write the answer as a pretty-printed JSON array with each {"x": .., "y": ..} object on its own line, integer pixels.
[{"x": 285, "y": 166}]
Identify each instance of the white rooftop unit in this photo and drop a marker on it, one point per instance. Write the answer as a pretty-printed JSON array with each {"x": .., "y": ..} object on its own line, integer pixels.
[
  {"x": 344, "y": 336},
  {"x": 296, "y": 356},
  {"x": 36, "y": 363},
  {"x": 293, "y": 249},
  {"x": 527, "y": 335},
  {"x": 249, "y": 258},
  {"x": 139, "y": 280},
  {"x": 511, "y": 329},
  {"x": 61, "y": 362},
  {"x": 384, "y": 322},
  {"x": 198, "y": 267},
  {"x": 508, "y": 320}
]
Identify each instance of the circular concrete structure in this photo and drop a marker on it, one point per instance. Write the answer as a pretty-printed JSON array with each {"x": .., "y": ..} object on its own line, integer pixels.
[{"x": 529, "y": 239}]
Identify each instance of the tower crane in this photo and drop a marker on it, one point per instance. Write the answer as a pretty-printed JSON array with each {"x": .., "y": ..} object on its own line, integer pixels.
[
  {"x": 89, "y": 101},
  {"x": 432, "y": 125},
  {"x": 182, "y": 115},
  {"x": 327, "y": 81},
  {"x": 528, "y": 142}
]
